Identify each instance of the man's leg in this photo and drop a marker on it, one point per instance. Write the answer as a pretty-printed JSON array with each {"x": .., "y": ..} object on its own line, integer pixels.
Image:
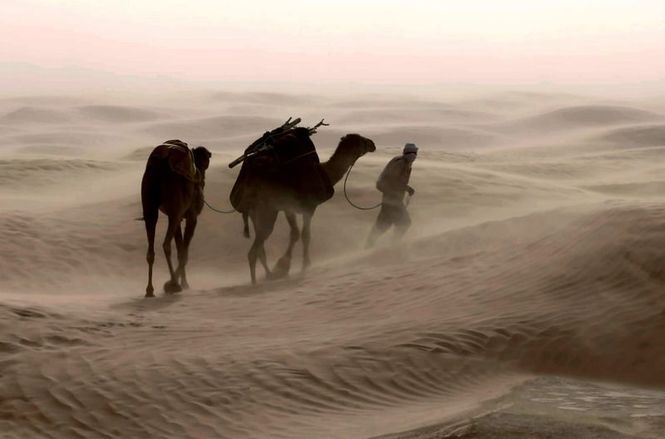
[
  {"x": 382, "y": 224},
  {"x": 402, "y": 223}
]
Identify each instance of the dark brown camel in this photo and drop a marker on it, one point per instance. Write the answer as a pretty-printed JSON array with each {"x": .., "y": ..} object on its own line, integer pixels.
[
  {"x": 273, "y": 196},
  {"x": 173, "y": 184}
]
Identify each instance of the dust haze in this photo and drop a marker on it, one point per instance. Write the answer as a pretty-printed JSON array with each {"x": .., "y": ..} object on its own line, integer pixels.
[{"x": 527, "y": 298}]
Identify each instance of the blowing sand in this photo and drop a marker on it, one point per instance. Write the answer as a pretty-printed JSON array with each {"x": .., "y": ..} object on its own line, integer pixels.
[{"x": 527, "y": 301}]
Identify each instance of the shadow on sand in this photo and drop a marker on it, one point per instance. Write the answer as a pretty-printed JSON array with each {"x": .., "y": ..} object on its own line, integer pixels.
[
  {"x": 149, "y": 303},
  {"x": 265, "y": 286}
]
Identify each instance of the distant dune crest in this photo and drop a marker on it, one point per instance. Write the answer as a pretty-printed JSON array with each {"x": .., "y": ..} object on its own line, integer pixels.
[
  {"x": 119, "y": 114},
  {"x": 582, "y": 117},
  {"x": 35, "y": 115}
]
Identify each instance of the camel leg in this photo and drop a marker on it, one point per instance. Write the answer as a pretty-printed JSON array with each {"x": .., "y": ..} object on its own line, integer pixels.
[
  {"x": 183, "y": 256},
  {"x": 306, "y": 239},
  {"x": 177, "y": 237},
  {"x": 172, "y": 285},
  {"x": 245, "y": 225},
  {"x": 150, "y": 219},
  {"x": 254, "y": 250},
  {"x": 150, "y": 204},
  {"x": 283, "y": 265},
  {"x": 264, "y": 223},
  {"x": 264, "y": 260}
]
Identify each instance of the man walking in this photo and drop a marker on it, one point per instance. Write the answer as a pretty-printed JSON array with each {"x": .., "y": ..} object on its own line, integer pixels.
[{"x": 393, "y": 183}]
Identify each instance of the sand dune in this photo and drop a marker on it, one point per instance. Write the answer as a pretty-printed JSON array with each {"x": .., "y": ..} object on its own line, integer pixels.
[
  {"x": 434, "y": 136},
  {"x": 266, "y": 98},
  {"x": 383, "y": 102},
  {"x": 513, "y": 102},
  {"x": 42, "y": 100},
  {"x": 35, "y": 115},
  {"x": 383, "y": 117},
  {"x": 637, "y": 136},
  {"x": 140, "y": 154},
  {"x": 526, "y": 301},
  {"x": 389, "y": 361},
  {"x": 212, "y": 126},
  {"x": 581, "y": 117},
  {"x": 118, "y": 114},
  {"x": 52, "y": 150},
  {"x": 597, "y": 410},
  {"x": 64, "y": 138},
  {"x": 33, "y": 173}
]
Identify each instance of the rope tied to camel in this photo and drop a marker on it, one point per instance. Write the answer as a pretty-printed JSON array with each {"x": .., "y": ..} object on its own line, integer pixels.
[
  {"x": 346, "y": 195},
  {"x": 218, "y": 210}
]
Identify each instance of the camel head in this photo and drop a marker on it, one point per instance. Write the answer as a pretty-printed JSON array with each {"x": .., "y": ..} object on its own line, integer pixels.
[
  {"x": 356, "y": 145},
  {"x": 351, "y": 147},
  {"x": 201, "y": 158}
]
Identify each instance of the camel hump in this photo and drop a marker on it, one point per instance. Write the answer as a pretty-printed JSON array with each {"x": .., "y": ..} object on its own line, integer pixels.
[{"x": 179, "y": 156}]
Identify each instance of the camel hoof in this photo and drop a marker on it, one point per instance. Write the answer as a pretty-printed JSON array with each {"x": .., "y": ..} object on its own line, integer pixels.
[
  {"x": 185, "y": 285},
  {"x": 172, "y": 287},
  {"x": 149, "y": 294},
  {"x": 281, "y": 269}
]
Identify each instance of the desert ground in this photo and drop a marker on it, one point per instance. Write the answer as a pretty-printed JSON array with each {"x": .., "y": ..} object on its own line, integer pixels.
[{"x": 527, "y": 300}]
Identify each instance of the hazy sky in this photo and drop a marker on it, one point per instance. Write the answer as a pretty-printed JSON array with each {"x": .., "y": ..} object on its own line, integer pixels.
[{"x": 399, "y": 41}]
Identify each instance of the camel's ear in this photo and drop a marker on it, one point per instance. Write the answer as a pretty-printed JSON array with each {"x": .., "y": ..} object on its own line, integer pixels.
[{"x": 204, "y": 149}]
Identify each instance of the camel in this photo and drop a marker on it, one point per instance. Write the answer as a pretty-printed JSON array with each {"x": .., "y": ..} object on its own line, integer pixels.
[
  {"x": 173, "y": 183},
  {"x": 285, "y": 192}
]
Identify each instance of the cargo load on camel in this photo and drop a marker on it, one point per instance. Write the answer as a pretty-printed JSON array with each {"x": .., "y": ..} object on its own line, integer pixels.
[
  {"x": 277, "y": 157},
  {"x": 179, "y": 157}
]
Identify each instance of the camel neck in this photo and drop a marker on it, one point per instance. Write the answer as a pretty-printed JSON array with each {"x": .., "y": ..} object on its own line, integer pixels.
[
  {"x": 337, "y": 165},
  {"x": 202, "y": 177}
]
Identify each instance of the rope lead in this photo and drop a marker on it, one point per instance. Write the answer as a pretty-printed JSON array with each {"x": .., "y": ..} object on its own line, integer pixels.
[
  {"x": 218, "y": 210},
  {"x": 347, "y": 195}
]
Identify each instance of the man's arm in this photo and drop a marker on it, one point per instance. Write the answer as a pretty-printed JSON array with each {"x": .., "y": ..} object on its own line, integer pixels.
[{"x": 404, "y": 174}]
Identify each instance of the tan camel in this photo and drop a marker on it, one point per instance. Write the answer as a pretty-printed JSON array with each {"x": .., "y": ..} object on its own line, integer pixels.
[
  {"x": 287, "y": 191},
  {"x": 173, "y": 183}
]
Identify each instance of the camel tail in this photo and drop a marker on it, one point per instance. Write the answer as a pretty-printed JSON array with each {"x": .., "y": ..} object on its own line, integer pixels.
[{"x": 245, "y": 228}]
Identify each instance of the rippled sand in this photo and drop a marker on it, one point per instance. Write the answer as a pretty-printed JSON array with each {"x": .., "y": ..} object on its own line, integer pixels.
[{"x": 527, "y": 301}]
